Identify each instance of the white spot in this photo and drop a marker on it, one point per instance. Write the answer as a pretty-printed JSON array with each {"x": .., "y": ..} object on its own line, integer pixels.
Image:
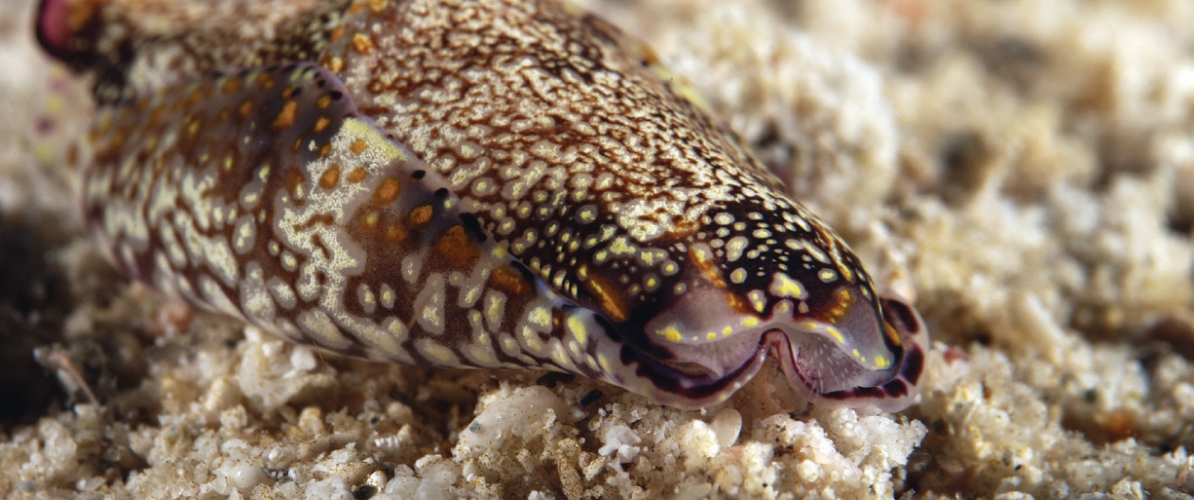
[
  {"x": 244, "y": 234},
  {"x": 429, "y": 305},
  {"x": 365, "y": 297},
  {"x": 282, "y": 292},
  {"x": 735, "y": 247}
]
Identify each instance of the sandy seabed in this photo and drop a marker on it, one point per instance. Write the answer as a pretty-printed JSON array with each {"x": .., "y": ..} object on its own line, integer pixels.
[{"x": 1025, "y": 170}]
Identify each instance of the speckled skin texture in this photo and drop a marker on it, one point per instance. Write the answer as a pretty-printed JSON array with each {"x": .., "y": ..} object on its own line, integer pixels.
[
  {"x": 1024, "y": 167},
  {"x": 495, "y": 184}
]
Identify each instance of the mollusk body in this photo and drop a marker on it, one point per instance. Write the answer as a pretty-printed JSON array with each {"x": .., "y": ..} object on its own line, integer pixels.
[{"x": 473, "y": 183}]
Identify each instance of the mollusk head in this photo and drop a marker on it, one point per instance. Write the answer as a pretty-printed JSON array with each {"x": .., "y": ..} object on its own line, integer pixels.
[{"x": 805, "y": 301}]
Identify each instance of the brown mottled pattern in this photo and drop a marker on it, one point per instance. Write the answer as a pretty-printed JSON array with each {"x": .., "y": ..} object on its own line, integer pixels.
[
  {"x": 555, "y": 129},
  {"x": 498, "y": 183}
]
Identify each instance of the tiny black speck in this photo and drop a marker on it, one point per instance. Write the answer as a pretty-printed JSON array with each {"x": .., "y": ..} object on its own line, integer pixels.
[
  {"x": 366, "y": 491},
  {"x": 550, "y": 379},
  {"x": 418, "y": 174},
  {"x": 473, "y": 226},
  {"x": 589, "y": 398}
]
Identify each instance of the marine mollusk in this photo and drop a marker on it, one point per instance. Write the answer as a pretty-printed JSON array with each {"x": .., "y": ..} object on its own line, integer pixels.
[{"x": 471, "y": 183}]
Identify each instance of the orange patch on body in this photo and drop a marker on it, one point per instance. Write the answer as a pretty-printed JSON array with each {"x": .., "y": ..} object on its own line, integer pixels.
[
  {"x": 608, "y": 295},
  {"x": 457, "y": 248},
  {"x": 387, "y": 191},
  {"x": 706, "y": 265},
  {"x": 323, "y": 219},
  {"x": 245, "y": 108},
  {"x": 266, "y": 81},
  {"x": 395, "y": 234},
  {"x": 285, "y": 117},
  {"x": 357, "y": 146},
  {"x": 330, "y": 177},
  {"x": 357, "y": 175},
  {"x": 321, "y": 123},
  {"x": 683, "y": 228},
  {"x": 420, "y": 215},
  {"x": 195, "y": 96},
  {"x": 231, "y": 85},
  {"x": 508, "y": 280},
  {"x": 323, "y": 101}
]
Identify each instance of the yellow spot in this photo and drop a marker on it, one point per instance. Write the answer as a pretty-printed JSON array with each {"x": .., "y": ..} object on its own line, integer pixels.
[
  {"x": 711, "y": 335},
  {"x": 604, "y": 362},
  {"x": 532, "y": 340},
  {"x": 837, "y": 335},
  {"x": 671, "y": 333},
  {"x": 540, "y": 316},
  {"x": 371, "y": 219},
  {"x": 785, "y": 286},
  {"x": 577, "y": 327},
  {"x": 882, "y": 362},
  {"x": 727, "y": 331},
  {"x": 336, "y": 64},
  {"x": 361, "y": 43},
  {"x": 560, "y": 356},
  {"x": 750, "y": 321},
  {"x": 439, "y": 352},
  {"x": 378, "y": 5}
]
